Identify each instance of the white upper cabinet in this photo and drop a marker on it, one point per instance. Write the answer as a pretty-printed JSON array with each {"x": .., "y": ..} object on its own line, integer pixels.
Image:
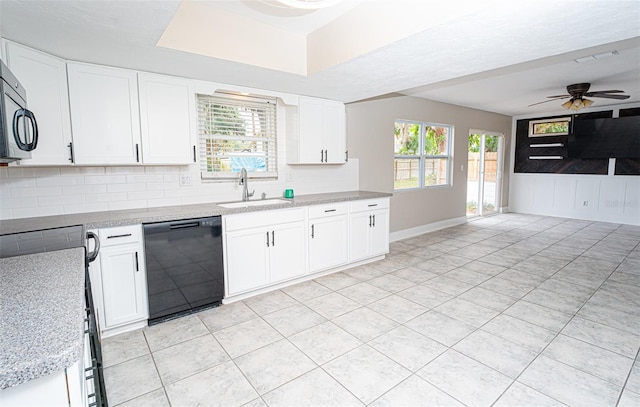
[
  {"x": 45, "y": 79},
  {"x": 316, "y": 132},
  {"x": 167, "y": 109},
  {"x": 104, "y": 115}
]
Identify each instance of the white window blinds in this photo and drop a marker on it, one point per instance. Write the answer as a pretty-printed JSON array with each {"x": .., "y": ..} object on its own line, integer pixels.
[{"x": 235, "y": 133}]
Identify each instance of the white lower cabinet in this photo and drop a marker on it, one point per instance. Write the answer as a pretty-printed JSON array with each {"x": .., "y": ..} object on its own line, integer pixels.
[
  {"x": 264, "y": 248},
  {"x": 58, "y": 389},
  {"x": 119, "y": 278},
  {"x": 267, "y": 248},
  {"x": 247, "y": 272},
  {"x": 328, "y": 236},
  {"x": 368, "y": 229},
  {"x": 287, "y": 251}
]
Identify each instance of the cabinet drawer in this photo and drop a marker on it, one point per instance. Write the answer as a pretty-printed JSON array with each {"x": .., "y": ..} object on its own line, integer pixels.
[
  {"x": 321, "y": 211},
  {"x": 369, "y": 204},
  {"x": 263, "y": 218},
  {"x": 120, "y": 235}
]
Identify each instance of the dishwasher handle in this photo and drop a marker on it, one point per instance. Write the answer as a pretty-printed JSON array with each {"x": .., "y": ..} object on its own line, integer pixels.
[
  {"x": 164, "y": 227},
  {"x": 184, "y": 225}
]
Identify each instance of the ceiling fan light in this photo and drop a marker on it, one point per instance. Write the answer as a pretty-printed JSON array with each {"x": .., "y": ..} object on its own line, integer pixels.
[
  {"x": 587, "y": 102},
  {"x": 577, "y": 104},
  {"x": 567, "y": 104}
]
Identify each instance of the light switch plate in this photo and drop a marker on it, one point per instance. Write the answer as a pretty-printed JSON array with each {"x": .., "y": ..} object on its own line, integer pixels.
[{"x": 186, "y": 180}]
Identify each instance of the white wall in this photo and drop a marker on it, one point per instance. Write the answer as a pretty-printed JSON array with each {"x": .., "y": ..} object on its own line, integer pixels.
[
  {"x": 605, "y": 198},
  {"x": 370, "y": 139}
]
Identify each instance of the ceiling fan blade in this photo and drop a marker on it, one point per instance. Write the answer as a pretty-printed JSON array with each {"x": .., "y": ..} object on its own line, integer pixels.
[
  {"x": 608, "y": 96},
  {"x": 552, "y": 100},
  {"x": 603, "y": 91},
  {"x": 559, "y": 96}
]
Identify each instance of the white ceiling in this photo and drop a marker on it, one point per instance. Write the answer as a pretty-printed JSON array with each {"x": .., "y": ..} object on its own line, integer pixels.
[{"x": 494, "y": 55}]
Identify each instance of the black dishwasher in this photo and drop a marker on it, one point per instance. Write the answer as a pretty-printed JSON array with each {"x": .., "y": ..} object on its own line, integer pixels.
[{"x": 185, "y": 272}]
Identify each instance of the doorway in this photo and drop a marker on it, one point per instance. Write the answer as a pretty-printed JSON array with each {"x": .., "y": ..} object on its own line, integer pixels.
[{"x": 484, "y": 172}]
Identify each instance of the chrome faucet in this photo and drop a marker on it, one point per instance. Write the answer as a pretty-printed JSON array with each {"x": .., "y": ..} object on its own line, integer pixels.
[{"x": 244, "y": 181}]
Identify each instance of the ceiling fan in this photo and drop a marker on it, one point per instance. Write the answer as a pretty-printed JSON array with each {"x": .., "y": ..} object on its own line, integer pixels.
[{"x": 577, "y": 93}]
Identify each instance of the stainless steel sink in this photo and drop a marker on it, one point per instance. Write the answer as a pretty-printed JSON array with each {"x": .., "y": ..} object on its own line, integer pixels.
[{"x": 262, "y": 202}]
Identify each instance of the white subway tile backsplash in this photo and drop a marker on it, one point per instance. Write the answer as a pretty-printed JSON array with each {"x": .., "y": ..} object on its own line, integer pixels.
[
  {"x": 86, "y": 207},
  {"x": 105, "y": 179},
  {"x": 171, "y": 177},
  {"x": 60, "y": 200},
  {"x": 120, "y": 205},
  {"x": 66, "y": 180},
  {"x": 125, "y": 170},
  {"x": 164, "y": 170},
  {"x": 35, "y": 192},
  {"x": 19, "y": 182},
  {"x": 24, "y": 212},
  {"x": 19, "y": 202},
  {"x": 6, "y": 213},
  {"x": 154, "y": 203},
  {"x": 139, "y": 195},
  {"x": 114, "y": 197},
  {"x": 28, "y": 192},
  {"x": 161, "y": 186},
  {"x": 82, "y": 171},
  {"x": 84, "y": 189},
  {"x": 113, "y": 188},
  {"x": 145, "y": 178}
]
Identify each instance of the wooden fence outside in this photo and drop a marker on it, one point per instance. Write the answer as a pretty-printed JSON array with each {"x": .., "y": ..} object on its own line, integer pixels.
[
  {"x": 410, "y": 168},
  {"x": 490, "y": 166}
]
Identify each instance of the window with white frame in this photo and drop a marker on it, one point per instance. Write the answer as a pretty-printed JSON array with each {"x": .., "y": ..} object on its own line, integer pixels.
[
  {"x": 422, "y": 155},
  {"x": 237, "y": 132}
]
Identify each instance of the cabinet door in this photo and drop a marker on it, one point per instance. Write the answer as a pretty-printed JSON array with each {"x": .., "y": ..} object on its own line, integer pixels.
[
  {"x": 166, "y": 109},
  {"x": 311, "y": 122},
  {"x": 104, "y": 115},
  {"x": 327, "y": 243},
  {"x": 334, "y": 132},
  {"x": 359, "y": 235},
  {"x": 123, "y": 284},
  {"x": 287, "y": 256},
  {"x": 45, "y": 78},
  {"x": 247, "y": 261},
  {"x": 380, "y": 233}
]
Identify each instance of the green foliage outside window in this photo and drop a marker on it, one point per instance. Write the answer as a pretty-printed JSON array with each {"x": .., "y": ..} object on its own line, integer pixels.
[{"x": 490, "y": 143}]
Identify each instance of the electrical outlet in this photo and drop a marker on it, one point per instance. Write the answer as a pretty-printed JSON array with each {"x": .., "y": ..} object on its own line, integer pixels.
[
  {"x": 288, "y": 176},
  {"x": 186, "y": 180}
]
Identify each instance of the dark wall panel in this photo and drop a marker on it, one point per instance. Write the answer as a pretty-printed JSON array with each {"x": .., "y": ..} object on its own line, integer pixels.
[{"x": 523, "y": 163}]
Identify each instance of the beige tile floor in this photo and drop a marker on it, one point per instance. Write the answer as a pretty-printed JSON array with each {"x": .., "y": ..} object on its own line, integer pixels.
[{"x": 510, "y": 310}]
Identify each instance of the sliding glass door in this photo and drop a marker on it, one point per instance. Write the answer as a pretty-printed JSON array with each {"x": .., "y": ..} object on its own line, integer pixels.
[{"x": 484, "y": 173}]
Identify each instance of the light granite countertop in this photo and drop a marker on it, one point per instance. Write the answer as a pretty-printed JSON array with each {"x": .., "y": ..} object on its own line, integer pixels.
[
  {"x": 41, "y": 314},
  {"x": 95, "y": 220}
]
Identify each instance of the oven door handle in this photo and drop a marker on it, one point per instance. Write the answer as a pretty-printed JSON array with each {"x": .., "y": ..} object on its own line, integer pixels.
[{"x": 92, "y": 256}]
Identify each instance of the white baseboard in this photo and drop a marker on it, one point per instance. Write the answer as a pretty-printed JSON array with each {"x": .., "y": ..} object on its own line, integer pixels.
[{"x": 431, "y": 227}]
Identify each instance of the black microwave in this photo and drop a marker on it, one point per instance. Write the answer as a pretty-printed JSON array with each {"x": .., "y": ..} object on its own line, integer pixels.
[{"x": 18, "y": 127}]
